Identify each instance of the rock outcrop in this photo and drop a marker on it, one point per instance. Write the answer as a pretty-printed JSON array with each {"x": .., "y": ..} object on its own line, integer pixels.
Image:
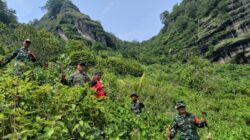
[
  {"x": 229, "y": 41},
  {"x": 66, "y": 20}
]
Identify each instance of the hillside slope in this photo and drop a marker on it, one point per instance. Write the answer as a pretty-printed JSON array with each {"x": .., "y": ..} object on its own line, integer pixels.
[
  {"x": 36, "y": 105},
  {"x": 228, "y": 40},
  {"x": 65, "y": 19},
  {"x": 214, "y": 29}
]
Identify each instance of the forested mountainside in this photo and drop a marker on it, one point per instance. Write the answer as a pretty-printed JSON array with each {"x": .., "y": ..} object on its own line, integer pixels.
[
  {"x": 166, "y": 69},
  {"x": 214, "y": 29},
  {"x": 229, "y": 40},
  {"x": 65, "y": 20}
]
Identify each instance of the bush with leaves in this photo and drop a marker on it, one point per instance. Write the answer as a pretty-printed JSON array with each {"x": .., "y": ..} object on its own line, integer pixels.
[
  {"x": 123, "y": 67},
  {"x": 83, "y": 56},
  {"x": 37, "y": 106}
]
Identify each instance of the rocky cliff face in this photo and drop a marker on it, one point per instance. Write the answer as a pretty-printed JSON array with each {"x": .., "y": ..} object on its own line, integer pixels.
[
  {"x": 228, "y": 41},
  {"x": 65, "y": 19},
  {"x": 218, "y": 30}
]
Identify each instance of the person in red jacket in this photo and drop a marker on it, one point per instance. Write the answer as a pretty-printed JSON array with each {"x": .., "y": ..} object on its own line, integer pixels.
[{"x": 97, "y": 85}]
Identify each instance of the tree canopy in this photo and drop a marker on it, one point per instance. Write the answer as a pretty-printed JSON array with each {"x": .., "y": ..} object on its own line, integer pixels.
[{"x": 7, "y": 16}]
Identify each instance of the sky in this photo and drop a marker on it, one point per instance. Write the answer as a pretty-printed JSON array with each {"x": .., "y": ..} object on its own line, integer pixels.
[{"x": 128, "y": 19}]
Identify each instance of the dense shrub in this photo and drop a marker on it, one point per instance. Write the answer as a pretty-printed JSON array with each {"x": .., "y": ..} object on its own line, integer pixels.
[
  {"x": 38, "y": 107},
  {"x": 34, "y": 111},
  {"x": 124, "y": 67},
  {"x": 83, "y": 56},
  {"x": 76, "y": 45}
]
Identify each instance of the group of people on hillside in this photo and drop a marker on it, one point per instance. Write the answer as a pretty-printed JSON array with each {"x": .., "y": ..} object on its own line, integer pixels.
[
  {"x": 184, "y": 121},
  {"x": 81, "y": 78}
]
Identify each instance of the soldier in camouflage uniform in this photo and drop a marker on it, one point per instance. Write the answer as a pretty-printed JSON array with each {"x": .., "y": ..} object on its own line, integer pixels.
[
  {"x": 186, "y": 123},
  {"x": 79, "y": 78},
  {"x": 22, "y": 55}
]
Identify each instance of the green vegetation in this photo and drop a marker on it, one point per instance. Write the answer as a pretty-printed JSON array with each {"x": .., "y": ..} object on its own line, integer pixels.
[
  {"x": 37, "y": 106},
  {"x": 194, "y": 27},
  {"x": 63, "y": 18},
  {"x": 7, "y": 16},
  {"x": 44, "y": 44}
]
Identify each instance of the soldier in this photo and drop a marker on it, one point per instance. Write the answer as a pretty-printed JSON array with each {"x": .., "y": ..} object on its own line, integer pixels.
[
  {"x": 186, "y": 123},
  {"x": 79, "y": 78},
  {"x": 136, "y": 105},
  {"x": 22, "y": 55}
]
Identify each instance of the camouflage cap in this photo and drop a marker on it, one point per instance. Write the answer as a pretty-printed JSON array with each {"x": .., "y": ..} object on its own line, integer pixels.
[
  {"x": 27, "y": 40},
  {"x": 179, "y": 104}
]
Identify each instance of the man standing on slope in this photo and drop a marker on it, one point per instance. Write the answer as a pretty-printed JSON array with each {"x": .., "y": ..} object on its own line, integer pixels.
[
  {"x": 79, "y": 78},
  {"x": 22, "y": 55},
  {"x": 137, "y": 106},
  {"x": 186, "y": 123}
]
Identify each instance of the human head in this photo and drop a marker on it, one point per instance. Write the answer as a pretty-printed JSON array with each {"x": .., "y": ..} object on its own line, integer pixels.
[
  {"x": 134, "y": 97},
  {"x": 26, "y": 43},
  {"x": 80, "y": 67},
  {"x": 98, "y": 76},
  {"x": 181, "y": 107}
]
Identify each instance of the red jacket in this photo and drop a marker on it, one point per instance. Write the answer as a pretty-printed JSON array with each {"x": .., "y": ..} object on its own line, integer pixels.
[{"x": 98, "y": 86}]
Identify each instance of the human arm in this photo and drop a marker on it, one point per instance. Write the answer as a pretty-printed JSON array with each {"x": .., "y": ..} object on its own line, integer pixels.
[
  {"x": 93, "y": 83},
  {"x": 173, "y": 130},
  {"x": 32, "y": 57},
  {"x": 65, "y": 81},
  {"x": 200, "y": 123},
  {"x": 9, "y": 58}
]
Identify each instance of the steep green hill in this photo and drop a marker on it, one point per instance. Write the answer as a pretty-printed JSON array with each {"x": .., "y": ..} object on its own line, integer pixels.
[
  {"x": 214, "y": 29},
  {"x": 65, "y": 20}
]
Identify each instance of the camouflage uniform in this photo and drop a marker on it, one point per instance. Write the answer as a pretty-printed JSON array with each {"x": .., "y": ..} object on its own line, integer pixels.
[
  {"x": 22, "y": 55},
  {"x": 187, "y": 126},
  {"x": 77, "y": 79},
  {"x": 22, "y": 58}
]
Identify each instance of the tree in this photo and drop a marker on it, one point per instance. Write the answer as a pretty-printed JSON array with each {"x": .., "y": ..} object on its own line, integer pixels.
[
  {"x": 182, "y": 23},
  {"x": 54, "y": 7},
  {"x": 7, "y": 15},
  {"x": 165, "y": 17}
]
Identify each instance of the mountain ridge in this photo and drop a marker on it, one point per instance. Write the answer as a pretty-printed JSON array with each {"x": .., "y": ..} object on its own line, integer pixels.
[
  {"x": 66, "y": 20},
  {"x": 217, "y": 30}
]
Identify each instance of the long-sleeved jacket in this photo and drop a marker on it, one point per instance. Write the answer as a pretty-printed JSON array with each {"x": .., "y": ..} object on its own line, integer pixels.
[
  {"x": 76, "y": 79},
  {"x": 21, "y": 55},
  {"x": 187, "y": 125}
]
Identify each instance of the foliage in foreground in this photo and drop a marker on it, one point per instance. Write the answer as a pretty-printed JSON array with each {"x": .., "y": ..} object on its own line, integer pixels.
[
  {"x": 31, "y": 109},
  {"x": 37, "y": 106}
]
